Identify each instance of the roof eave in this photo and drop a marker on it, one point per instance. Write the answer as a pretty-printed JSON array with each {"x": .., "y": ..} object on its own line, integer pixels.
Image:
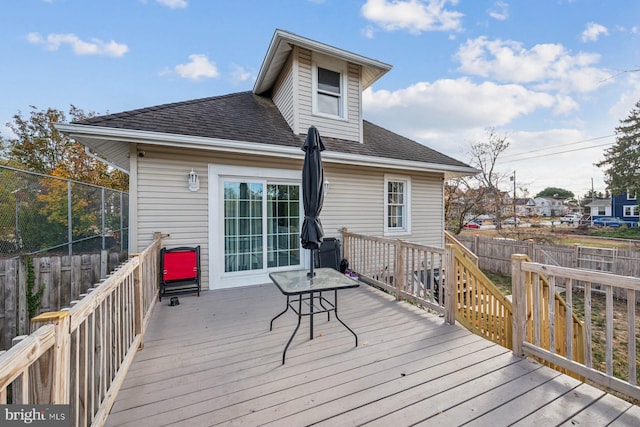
[
  {"x": 85, "y": 134},
  {"x": 282, "y": 41}
]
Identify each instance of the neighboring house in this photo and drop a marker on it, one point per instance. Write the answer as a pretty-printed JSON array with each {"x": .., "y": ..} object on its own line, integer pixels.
[
  {"x": 625, "y": 206},
  {"x": 525, "y": 207},
  {"x": 599, "y": 208},
  {"x": 242, "y": 203},
  {"x": 548, "y": 206}
]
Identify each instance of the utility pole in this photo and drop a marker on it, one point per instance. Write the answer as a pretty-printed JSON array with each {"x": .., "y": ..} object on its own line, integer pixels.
[{"x": 515, "y": 217}]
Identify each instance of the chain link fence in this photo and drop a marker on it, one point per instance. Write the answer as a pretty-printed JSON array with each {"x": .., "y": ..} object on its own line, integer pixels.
[{"x": 41, "y": 214}]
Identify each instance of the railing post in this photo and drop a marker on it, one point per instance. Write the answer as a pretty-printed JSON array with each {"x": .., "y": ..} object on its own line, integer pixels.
[
  {"x": 345, "y": 243},
  {"x": 449, "y": 285},
  {"x": 138, "y": 291},
  {"x": 399, "y": 269},
  {"x": 52, "y": 370},
  {"x": 519, "y": 303}
]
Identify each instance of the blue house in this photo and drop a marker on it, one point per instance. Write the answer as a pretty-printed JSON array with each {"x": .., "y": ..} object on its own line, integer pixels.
[{"x": 625, "y": 207}]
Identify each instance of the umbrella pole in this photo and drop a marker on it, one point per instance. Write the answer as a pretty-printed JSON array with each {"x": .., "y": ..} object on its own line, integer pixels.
[{"x": 311, "y": 273}]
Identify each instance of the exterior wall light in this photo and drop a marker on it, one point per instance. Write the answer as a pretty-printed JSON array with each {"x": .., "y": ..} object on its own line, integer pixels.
[
  {"x": 193, "y": 183},
  {"x": 326, "y": 185}
]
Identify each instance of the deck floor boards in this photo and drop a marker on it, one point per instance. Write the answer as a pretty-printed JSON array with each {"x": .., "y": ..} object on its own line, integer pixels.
[{"x": 213, "y": 361}]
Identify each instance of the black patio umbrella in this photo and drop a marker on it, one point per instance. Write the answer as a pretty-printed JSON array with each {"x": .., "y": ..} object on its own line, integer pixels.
[{"x": 312, "y": 193}]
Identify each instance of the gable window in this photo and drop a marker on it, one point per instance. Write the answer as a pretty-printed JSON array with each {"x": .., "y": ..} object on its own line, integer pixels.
[
  {"x": 329, "y": 88},
  {"x": 631, "y": 210},
  {"x": 397, "y": 196},
  {"x": 631, "y": 196}
]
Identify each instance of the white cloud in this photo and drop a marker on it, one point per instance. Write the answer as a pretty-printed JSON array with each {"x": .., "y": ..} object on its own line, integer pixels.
[
  {"x": 239, "y": 74},
  {"x": 80, "y": 47},
  {"x": 593, "y": 32},
  {"x": 197, "y": 68},
  {"x": 453, "y": 104},
  {"x": 173, "y": 4},
  {"x": 547, "y": 66},
  {"x": 414, "y": 16},
  {"x": 499, "y": 11}
]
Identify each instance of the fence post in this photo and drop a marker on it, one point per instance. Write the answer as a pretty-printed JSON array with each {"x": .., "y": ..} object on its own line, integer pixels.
[
  {"x": 23, "y": 273},
  {"x": 519, "y": 302},
  {"x": 52, "y": 370},
  {"x": 449, "y": 284}
]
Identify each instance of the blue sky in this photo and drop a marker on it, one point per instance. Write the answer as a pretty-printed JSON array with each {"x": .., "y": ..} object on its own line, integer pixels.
[{"x": 553, "y": 76}]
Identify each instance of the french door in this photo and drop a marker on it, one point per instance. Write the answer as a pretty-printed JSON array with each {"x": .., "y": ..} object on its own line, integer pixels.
[{"x": 261, "y": 224}]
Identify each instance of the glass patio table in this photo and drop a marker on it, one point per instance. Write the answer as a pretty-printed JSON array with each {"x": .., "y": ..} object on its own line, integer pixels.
[{"x": 299, "y": 288}]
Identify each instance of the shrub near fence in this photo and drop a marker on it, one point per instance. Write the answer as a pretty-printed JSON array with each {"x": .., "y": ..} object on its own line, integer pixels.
[{"x": 61, "y": 278}]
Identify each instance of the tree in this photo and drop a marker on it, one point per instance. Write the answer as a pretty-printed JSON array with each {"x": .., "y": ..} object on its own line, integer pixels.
[
  {"x": 621, "y": 162},
  {"x": 472, "y": 196},
  {"x": 556, "y": 193},
  {"x": 39, "y": 147}
]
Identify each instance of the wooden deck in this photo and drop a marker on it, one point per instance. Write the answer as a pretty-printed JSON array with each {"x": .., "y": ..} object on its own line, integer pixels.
[{"x": 213, "y": 361}]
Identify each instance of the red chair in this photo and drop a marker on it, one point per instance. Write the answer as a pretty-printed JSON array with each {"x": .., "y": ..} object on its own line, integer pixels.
[{"x": 179, "y": 271}]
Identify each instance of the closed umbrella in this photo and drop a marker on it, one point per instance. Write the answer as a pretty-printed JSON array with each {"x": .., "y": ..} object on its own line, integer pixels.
[{"x": 312, "y": 193}]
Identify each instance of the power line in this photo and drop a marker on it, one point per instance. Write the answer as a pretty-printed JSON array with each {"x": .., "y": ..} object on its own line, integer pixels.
[{"x": 561, "y": 152}]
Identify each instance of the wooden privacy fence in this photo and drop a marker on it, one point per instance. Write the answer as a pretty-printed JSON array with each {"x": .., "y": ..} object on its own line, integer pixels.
[
  {"x": 62, "y": 279},
  {"x": 541, "y": 339},
  {"x": 80, "y": 356},
  {"x": 494, "y": 254}
]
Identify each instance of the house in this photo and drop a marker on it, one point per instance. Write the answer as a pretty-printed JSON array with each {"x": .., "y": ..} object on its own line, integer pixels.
[
  {"x": 525, "y": 207},
  {"x": 625, "y": 206},
  {"x": 224, "y": 172},
  {"x": 599, "y": 208},
  {"x": 548, "y": 206}
]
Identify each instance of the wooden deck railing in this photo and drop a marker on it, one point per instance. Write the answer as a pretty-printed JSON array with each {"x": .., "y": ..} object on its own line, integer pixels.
[
  {"x": 478, "y": 303},
  {"x": 543, "y": 342},
  {"x": 470, "y": 297},
  {"x": 407, "y": 270},
  {"x": 80, "y": 356}
]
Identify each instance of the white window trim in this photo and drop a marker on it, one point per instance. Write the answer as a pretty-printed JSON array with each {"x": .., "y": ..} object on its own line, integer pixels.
[
  {"x": 338, "y": 67},
  {"x": 407, "y": 184},
  {"x": 633, "y": 208},
  {"x": 631, "y": 197}
]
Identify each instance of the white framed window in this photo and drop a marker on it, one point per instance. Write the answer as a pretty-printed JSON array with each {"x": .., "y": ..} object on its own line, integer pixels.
[
  {"x": 630, "y": 210},
  {"x": 631, "y": 195},
  {"x": 329, "y": 89},
  {"x": 397, "y": 205},
  {"x": 602, "y": 210}
]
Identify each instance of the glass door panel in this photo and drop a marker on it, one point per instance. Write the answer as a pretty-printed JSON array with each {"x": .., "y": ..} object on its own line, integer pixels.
[
  {"x": 243, "y": 247},
  {"x": 258, "y": 214}
]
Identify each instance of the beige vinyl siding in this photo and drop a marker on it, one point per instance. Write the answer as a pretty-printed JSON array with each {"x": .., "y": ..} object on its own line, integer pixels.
[
  {"x": 166, "y": 205},
  {"x": 355, "y": 199},
  {"x": 349, "y": 129},
  {"x": 283, "y": 94}
]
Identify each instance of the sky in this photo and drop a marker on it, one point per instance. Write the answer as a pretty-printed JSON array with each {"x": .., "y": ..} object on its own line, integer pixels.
[{"x": 553, "y": 77}]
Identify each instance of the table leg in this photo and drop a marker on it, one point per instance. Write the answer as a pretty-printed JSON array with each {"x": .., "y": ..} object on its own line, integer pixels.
[
  {"x": 335, "y": 304},
  {"x": 285, "y": 310},
  {"x": 284, "y": 353}
]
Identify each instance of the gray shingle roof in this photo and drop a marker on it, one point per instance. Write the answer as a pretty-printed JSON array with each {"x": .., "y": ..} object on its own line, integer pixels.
[{"x": 247, "y": 117}]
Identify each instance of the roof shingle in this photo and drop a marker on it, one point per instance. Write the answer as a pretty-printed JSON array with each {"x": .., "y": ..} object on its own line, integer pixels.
[{"x": 247, "y": 117}]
